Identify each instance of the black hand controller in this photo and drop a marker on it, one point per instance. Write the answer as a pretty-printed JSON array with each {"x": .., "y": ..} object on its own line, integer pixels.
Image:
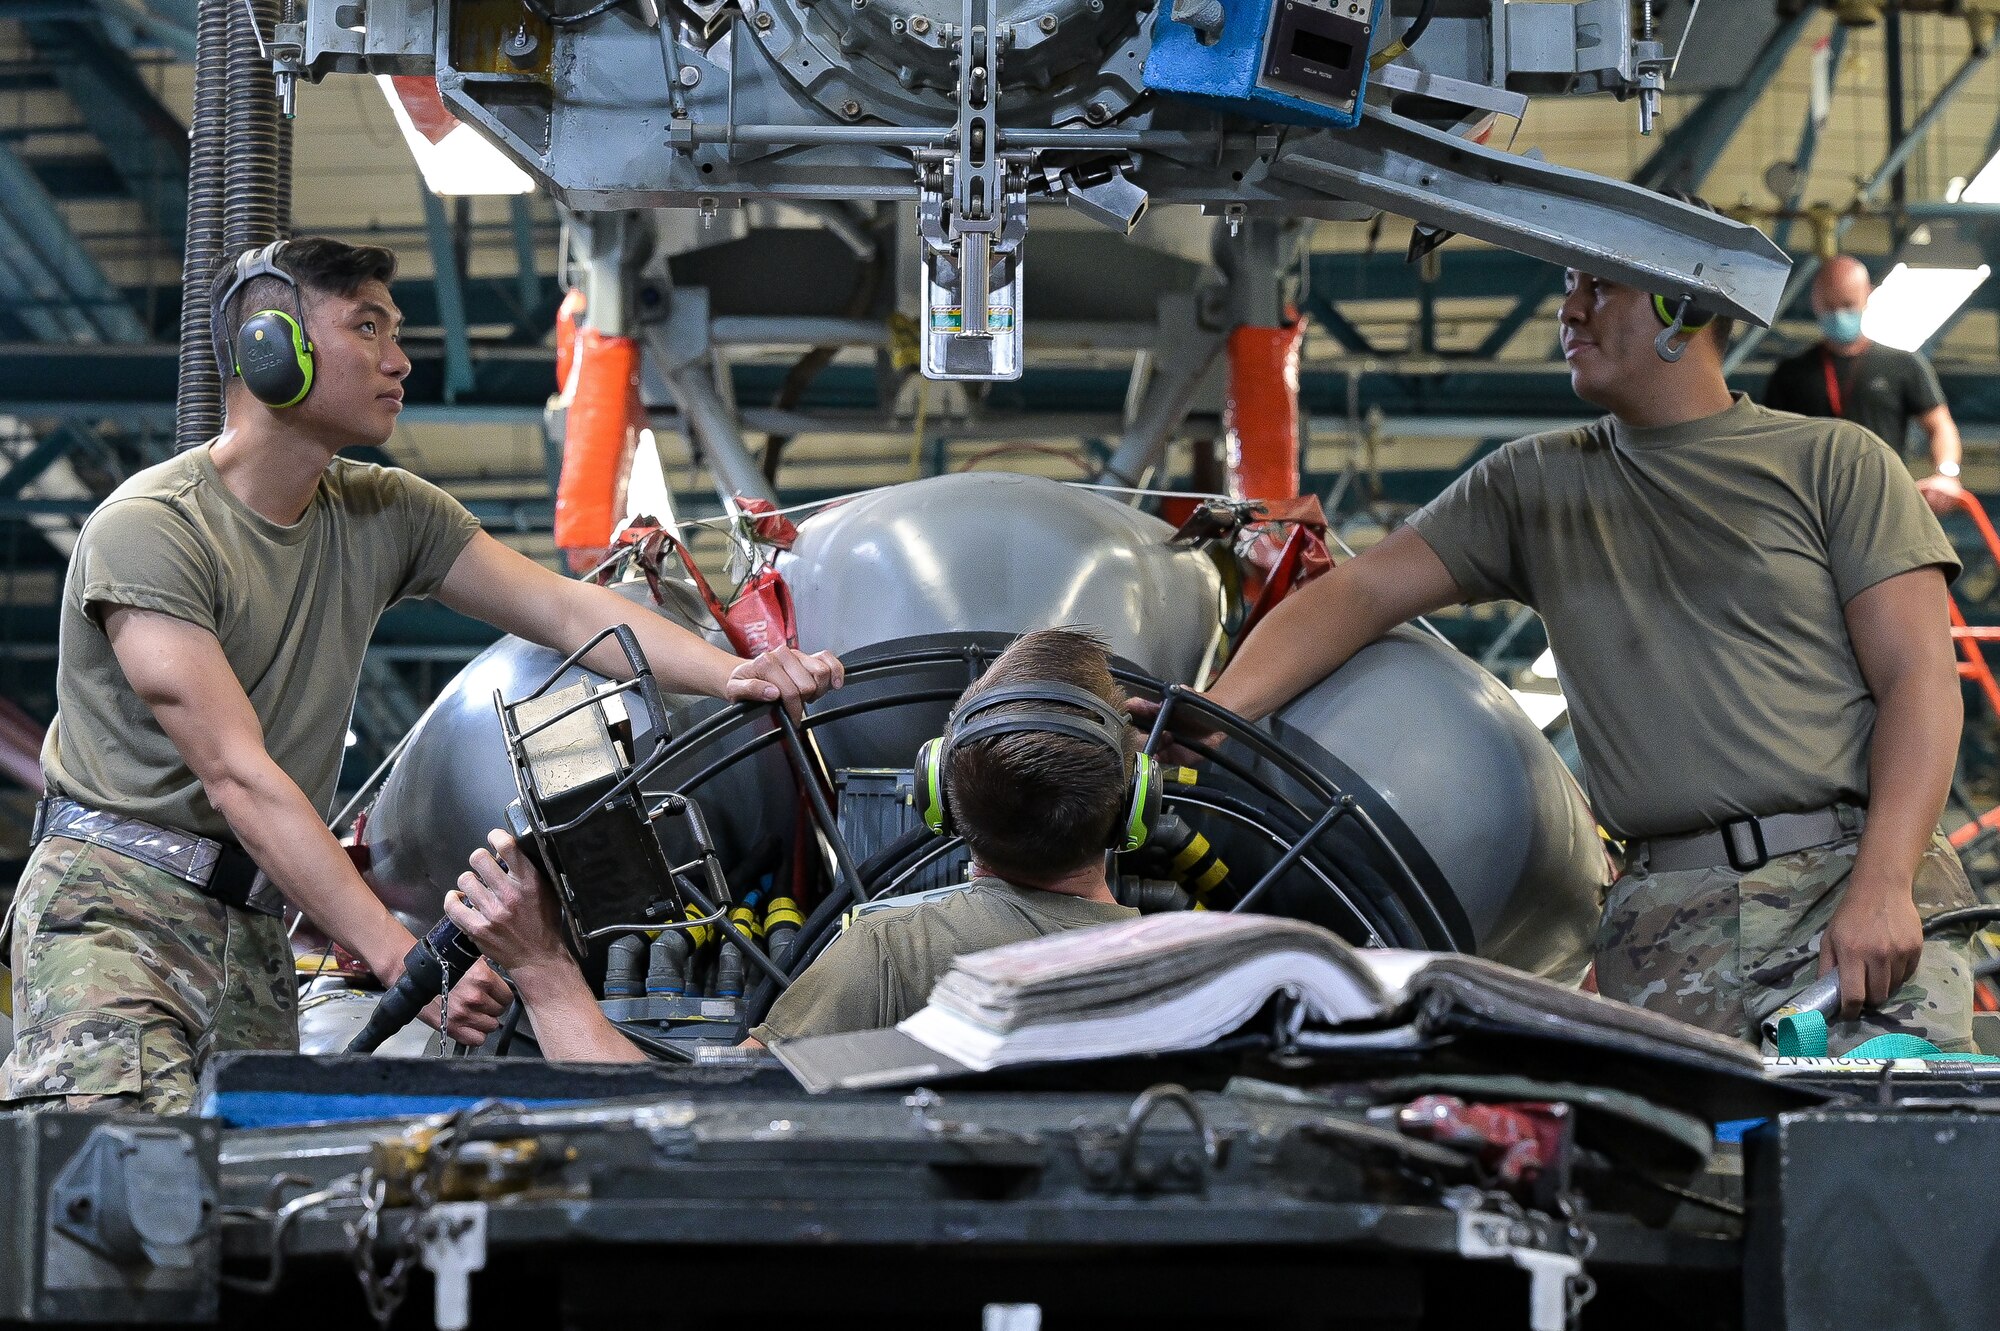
[{"x": 443, "y": 954}]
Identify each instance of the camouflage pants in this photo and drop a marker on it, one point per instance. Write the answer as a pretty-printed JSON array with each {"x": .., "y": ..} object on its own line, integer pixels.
[
  {"x": 1719, "y": 949},
  {"x": 126, "y": 980}
]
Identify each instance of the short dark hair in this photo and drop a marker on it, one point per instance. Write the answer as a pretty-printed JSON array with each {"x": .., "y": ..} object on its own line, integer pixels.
[
  {"x": 319, "y": 264},
  {"x": 1722, "y": 326},
  {"x": 1034, "y": 805}
]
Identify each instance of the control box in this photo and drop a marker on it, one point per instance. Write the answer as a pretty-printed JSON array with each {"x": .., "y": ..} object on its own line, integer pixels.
[{"x": 1296, "y": 62}]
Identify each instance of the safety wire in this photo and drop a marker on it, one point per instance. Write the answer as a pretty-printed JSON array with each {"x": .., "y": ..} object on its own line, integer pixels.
[{"x": 1146, "y": 493}]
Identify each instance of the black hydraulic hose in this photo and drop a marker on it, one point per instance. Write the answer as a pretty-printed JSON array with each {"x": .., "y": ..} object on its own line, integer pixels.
[
  {"x": 198, "y": 392},
  {"x": 912, "y": 865},
  {"x": 438, "y": 959},
  {"x": 503, "y": 1039},
  {"x": 886, "y": 865},
  {"x": 1411, "y": 34},
  {"x": 250, "y": 162},
  {"x": 1414, "y": 33}
]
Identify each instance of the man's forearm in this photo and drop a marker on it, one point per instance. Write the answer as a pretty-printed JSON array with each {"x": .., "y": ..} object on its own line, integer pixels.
[
  {"x": 1910, "y": 763},
  {"x": 1945, "y": 444},
  {"x": 683, "y": 662},
  {"x": 569, "y": 1026},
  {"x": 278, "y": 827},
  {"x": 1312, "y": 633}
]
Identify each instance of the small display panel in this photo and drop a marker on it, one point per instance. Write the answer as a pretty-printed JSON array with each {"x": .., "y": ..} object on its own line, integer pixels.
[
  {"x": 1318, "y": 49},
  {"x": 1321, "y": 49}
]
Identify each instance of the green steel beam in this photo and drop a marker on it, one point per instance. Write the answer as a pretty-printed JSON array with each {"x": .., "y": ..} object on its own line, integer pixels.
[
  {"x": 144, "y": 142},
  {"x": 449, "y": 282},
  {"x": 47, "y": 252},
  {"x": 1338, "y": 325},
  {"x": 35, "y": 461},
  {"x": 1808, "y": 147}
]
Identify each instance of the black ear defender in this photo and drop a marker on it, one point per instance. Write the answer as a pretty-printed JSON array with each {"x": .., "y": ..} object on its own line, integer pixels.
[
  {"x": 1100, "y": 722},
  {"x": 1677, "y": 317},
  {"x": 269, "y": 351}
]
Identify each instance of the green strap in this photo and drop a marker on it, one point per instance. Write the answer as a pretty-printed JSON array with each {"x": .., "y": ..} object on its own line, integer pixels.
[
  {"x": 1910, "y": 1046},
  {"x": 1803, "y": 1035}
]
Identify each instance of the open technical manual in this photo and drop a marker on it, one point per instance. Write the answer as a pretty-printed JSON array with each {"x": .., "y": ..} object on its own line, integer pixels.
[{"x": 1182, "y": 981}]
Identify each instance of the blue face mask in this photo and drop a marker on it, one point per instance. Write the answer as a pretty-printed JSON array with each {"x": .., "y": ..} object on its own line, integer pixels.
[{"x": 1841, "y": 326}]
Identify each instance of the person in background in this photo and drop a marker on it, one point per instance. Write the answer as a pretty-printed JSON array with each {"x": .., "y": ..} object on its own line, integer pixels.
[{"x": 1879, "y": 388}]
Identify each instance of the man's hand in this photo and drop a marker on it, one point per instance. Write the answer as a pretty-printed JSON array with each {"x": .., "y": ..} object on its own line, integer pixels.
[
  {"x": 787, "y": 675},
  {"x": 508, "y": 912},
  {"x": 511, "y": 914},
  {"x": 1876, "y": 939},
  {"x": 478, "y": 1001},
  {"x": 1145, "y": 711},
  {"x": 1942, "y": 493}
]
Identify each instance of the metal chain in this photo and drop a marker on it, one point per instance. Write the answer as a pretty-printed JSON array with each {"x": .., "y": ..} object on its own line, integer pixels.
[
  {"x": 383, "y": 1291},
  {"x": 447, "y": 1047},
  {"x": 444, "y": 1008},
  {"x": 1580, "y": 1288}
]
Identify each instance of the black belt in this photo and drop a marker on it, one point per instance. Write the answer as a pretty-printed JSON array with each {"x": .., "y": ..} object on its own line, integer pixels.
[
  {"x": 220, "y": 870},
  {"x": 1748, "y": 844}
]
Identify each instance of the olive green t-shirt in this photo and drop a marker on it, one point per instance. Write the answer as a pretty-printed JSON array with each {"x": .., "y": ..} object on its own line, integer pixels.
[
  {"x": 884, "y": 967},
  {"x": 293, "y": 608},
  {"x": 1693, "y": 579}
]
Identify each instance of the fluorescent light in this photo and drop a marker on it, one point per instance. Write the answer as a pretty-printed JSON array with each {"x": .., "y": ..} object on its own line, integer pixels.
[
  {"x": 1913, "y": 303},
  {"x": 352, "y": 739},
  {"x": 449, "y": 152},
  {"x": 646, "y": 491},
  {"x": 1984, "y": 187},
  {"x": 1544, "y": 666}
]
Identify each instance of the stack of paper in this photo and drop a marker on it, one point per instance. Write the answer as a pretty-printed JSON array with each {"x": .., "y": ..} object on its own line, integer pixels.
[{"x": 1172, "y": 981}]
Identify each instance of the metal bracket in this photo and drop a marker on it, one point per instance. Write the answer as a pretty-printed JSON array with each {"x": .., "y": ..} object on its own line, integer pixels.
[
  {"x": 136, "y": 1196},
  {"x": 1112, "y": 1160},
  {"x": 1557, "y": 1285},
  {"x": 452, "y": 1243},
  {"x": 1400, "y": 78},
  {"x": 1608, "y": 228},
  {"x": 972, "y": 283}
]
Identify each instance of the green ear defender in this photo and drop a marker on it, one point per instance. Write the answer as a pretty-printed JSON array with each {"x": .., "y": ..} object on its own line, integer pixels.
[
  {"x": 1143, "y": 810},
  {"x": 1102, "y": 723},
  {"x": 1691, "y": 316},
  {"x": 274, "y": 359},
  {"x": 270, "y": 352},
  {"x": 930, "y": 786}
]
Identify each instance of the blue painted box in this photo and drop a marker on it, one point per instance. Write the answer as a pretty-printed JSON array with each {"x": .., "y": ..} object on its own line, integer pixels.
[{"x": 1294, "y": 62}]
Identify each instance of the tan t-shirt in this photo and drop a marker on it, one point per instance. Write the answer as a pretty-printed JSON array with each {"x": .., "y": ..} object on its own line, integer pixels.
[
  {"x": 1692, "y": 579},
  {"x": 884, "y": 967},
  {"x": 293, "y": 608}
]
